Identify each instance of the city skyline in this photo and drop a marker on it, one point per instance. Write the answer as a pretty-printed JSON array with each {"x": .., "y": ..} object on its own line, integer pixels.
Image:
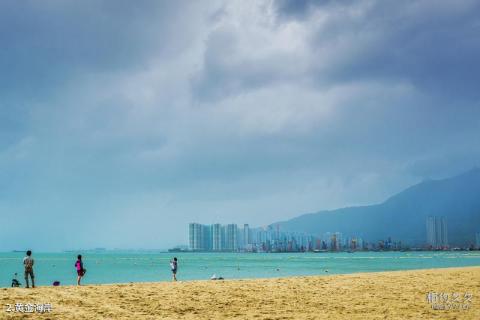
[
  {"x": 230, "y": 238},
  {"x": 271, "y": 238}
]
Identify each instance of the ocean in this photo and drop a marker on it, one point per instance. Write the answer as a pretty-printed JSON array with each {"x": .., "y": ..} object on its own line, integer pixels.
[{"x": 124, "y": 267}]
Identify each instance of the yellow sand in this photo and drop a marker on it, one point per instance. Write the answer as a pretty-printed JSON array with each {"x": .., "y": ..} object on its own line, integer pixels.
[{"x": 385, "y": 295}]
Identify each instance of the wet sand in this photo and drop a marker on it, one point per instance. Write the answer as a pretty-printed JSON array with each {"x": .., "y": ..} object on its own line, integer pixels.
[{"x": 382, "y": 295}]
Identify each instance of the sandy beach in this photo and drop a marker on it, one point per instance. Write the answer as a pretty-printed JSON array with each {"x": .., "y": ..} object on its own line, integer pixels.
[{"x": 383, "y": 295}]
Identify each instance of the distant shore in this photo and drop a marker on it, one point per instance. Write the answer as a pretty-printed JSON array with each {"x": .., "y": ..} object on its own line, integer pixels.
[
  {"x": 328, "y": 251},
  {"x": 415, "y": 294}
]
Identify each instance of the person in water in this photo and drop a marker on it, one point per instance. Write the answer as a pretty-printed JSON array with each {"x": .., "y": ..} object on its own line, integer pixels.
[
  {"x": 174, "y": 267},
  {"x": 80, "y": 269},
  {"x": 28, "y": 264}
]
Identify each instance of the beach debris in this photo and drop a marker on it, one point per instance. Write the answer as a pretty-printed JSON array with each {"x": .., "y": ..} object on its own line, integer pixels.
[{"x": 214, "y": 277}]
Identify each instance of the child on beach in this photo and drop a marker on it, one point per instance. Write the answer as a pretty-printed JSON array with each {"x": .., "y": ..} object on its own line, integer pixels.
[
  {"x": 28, "y": 264},
  {"x": 80, "y": 270},
  {"x": 174, "y": 266},
  {"x": 15, "y": 282}
]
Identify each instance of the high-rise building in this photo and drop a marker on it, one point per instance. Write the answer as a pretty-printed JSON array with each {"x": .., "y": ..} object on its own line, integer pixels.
[
  {"x": 431, "y": 231},
  {"x": 217, "y": 237},
  {"x": 231, "y": 235},
  {"x": 200, "y": 237},
  {"x": 223, "y": 238},
  {"x": 207, "y": 237},
  {"x": 191, "y": 236},
  {"x": 360, "y": 244},
  {"x": 336, "y": 241},
  {"x": 437, "y": 232},
  {"x": 246, "y": 236},
  {"x": 196, "y": 241}
]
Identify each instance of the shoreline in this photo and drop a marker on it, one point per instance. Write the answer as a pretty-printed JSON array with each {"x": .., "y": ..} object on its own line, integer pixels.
[
  {"x": 367, "y": 295},
  {"x": 244, "y": 279}
]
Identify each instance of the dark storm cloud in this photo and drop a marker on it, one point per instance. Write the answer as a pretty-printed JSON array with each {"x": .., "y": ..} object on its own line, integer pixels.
[
  {"x": 222, "y": 75},
  {"x": 433, "y": 45},
  {"x": 45, "y": 44}
]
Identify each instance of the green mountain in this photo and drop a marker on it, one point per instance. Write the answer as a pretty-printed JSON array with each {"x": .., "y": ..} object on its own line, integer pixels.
[{"x": 403, "y": 216}]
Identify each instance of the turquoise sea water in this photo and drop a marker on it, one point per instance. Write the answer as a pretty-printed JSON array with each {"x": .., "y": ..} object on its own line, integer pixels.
[{"x": 118, "y": 267}]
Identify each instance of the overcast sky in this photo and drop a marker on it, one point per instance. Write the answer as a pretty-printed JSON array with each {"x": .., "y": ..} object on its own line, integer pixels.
[{"x": 121, "y": 121}]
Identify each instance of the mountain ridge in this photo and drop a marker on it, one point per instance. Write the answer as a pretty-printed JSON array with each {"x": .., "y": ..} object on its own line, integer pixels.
[{"x": 402, "y": 216}]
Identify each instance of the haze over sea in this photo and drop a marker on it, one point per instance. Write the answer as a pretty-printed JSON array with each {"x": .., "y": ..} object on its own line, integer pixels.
[{"x": 124, "y": 267}]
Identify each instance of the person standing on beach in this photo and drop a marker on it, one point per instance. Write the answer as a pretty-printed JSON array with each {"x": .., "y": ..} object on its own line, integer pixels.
[
  {"x": 28, "y": 264},
  {"x": 80, "y": 270},
  {"x": 174, "y": 267}
]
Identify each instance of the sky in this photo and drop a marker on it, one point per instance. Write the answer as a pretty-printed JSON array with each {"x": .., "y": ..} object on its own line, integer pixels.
[{"x": 121, "y": 121}]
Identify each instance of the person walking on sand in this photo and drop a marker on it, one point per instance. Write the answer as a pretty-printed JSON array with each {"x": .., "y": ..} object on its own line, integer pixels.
[
  {"x": 28, "y": 264},
  {"x": 174, "y": 267},
  {"x": 80, "y": 269}
]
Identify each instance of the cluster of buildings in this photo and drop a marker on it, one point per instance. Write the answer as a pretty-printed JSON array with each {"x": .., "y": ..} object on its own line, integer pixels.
[
  {"x": 232, "y": 238},
  {"x": 437, "y": 233},
  {"x": 217, "y": 237}
]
